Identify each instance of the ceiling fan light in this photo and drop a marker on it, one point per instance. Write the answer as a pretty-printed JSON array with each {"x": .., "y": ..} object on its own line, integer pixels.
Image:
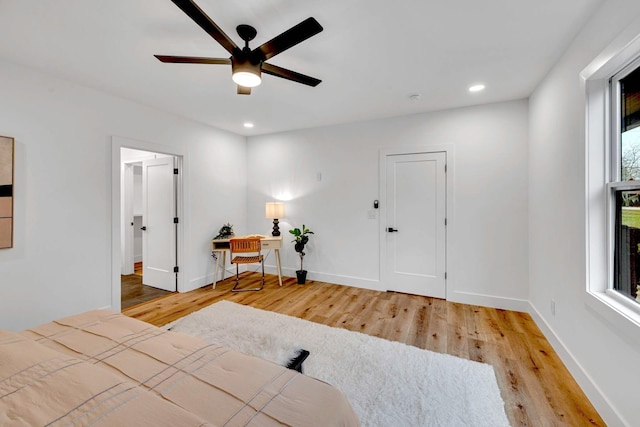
[
  {"x": 246, "y": 78},
  {"x": 244, "y": 73}
]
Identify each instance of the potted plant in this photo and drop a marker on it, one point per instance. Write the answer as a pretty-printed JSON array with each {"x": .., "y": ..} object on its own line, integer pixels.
[
  {"x": 225, "y": 232},
  {"x": 300, "y": 240}
]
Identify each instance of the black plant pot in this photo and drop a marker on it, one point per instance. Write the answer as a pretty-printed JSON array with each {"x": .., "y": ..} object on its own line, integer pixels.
[{"x": 302, "y": 276}]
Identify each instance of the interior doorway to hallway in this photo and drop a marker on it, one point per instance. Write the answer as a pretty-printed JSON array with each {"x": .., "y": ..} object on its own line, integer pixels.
[{"x": 149, "y": 225}]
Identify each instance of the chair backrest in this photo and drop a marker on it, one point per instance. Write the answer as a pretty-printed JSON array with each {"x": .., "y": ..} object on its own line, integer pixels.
[{"x": 251, "y": 244}]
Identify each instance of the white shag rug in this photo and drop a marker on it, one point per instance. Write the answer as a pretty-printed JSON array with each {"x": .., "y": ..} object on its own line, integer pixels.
[{"x": 387, "y": 383}]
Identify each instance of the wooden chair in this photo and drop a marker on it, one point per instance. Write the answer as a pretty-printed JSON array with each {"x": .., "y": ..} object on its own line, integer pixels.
[{"x": 247, "y": 246}]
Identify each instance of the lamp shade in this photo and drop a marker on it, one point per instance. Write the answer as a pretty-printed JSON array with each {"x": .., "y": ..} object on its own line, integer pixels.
[{"x": 274, "y": 210}]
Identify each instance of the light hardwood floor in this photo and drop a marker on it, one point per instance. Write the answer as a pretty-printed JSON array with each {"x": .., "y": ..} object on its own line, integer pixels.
[
  {"x": 535, "y": 385},
  {"x": 133, "y": 292}
]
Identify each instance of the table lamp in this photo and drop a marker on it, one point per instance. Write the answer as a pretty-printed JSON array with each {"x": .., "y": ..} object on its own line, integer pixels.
[{"x": 274, "y": 210}]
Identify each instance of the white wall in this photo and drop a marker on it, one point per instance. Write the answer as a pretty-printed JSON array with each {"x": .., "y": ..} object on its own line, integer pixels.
[
  {"x": 61, "y": 262},
  {"x": 488, "y": 230},
  {"x": 602, "y": 360}
]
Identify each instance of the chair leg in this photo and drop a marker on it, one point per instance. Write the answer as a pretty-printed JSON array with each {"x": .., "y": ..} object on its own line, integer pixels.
[
  {"x": 236, "y": 285},
  {"x": 236, "y": 289}
]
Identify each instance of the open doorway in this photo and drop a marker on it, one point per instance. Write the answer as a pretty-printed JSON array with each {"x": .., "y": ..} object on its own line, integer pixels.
[{"x": 149, "y": 225}]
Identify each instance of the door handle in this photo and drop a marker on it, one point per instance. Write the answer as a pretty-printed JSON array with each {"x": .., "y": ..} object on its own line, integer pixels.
[
  {"x": 392, "y": 230},
  {"x": 143, "y": 228}
]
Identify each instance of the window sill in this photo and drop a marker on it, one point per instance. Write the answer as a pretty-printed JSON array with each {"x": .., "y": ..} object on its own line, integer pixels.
[
  {"x": 631, "y": 306},
  {"x": 620, "y": 315}
]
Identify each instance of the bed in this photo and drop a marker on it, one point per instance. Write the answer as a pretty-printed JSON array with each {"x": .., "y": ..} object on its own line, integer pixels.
[{"x": 103, "y": 368}]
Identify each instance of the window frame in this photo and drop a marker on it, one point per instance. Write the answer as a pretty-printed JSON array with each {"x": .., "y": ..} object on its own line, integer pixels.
[
  {"x": 619, "y": 297},
  {"x": 614, "y": 176},
  {"x": 615, "y": 124}
]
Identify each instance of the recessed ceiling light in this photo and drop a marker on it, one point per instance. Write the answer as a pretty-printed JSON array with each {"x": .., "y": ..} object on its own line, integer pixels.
[
  {"x": 415, "y": 97},
  {"x": 476, "y": 88},
  {"x": 248, "y": 125}
]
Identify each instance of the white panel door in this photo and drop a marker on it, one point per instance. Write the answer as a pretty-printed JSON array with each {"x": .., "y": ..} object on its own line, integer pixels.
[
  {"x": 159, "y": 230},
  {"x": 415, "y": 229}
]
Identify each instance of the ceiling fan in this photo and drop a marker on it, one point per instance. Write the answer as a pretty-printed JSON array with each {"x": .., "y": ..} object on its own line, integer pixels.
[{"x": 247, "y": 65}]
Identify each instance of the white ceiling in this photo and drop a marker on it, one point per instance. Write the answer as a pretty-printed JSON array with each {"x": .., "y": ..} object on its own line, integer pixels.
[{"x": 371, "y": 56}]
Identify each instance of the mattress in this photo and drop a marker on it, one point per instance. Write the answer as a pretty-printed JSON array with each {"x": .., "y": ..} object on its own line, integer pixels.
[{"x": 206, "y": 383}]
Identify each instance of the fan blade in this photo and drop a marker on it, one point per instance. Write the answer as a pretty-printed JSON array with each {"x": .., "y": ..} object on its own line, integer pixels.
[
  {"x": 294, "y": 35},
  {"x": 242, "y": 90},
  {"x": 192, "y": 60},
  {"x": 289, "y": 75},
  {"x": 199, "y": 17}
]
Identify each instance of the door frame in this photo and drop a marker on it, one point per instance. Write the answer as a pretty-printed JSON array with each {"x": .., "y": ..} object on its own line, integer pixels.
[
  {"x": 127, "y": 178},
  {"x": 448, "y": 149},
  {"x": 117, "y": 143}
]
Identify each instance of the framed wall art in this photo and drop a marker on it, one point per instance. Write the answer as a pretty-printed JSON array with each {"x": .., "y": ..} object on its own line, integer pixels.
[{"x": 6, "y": 192}]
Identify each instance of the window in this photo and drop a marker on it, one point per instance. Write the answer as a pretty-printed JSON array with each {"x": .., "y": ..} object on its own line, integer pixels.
[
  {"x": 624, "y": 183},
  {"x": 612, "y": 83}
]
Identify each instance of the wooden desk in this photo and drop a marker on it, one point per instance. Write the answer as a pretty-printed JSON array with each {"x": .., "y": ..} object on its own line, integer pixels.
[{"x": 221, "y": 246}]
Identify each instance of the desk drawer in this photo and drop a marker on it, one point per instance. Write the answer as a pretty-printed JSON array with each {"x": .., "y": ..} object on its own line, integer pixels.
[{"x": 271, "y": 244}]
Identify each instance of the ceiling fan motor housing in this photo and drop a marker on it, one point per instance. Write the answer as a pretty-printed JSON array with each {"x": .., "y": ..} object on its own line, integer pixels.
[
  {"x": 246, "y": 67},
  {"x": 243, "y": 67}
]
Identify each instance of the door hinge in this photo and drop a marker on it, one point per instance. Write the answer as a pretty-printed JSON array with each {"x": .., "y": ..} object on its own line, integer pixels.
[
  {"x": 445, "y": 275},
  {"x": 175, "y": 171},
  {"x": 445, "y": 222},
  {"x": 175, "y": 220},
  {"x": 445, "y": 168},
  {"x": 176, "y": 269}
]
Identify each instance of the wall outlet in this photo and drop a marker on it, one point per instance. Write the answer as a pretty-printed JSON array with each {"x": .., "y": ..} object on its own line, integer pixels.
[{"x": 553, "y": 307}]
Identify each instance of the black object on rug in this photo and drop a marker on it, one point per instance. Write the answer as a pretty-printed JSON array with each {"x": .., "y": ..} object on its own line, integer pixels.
[{"x": 295, "y": 362}]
